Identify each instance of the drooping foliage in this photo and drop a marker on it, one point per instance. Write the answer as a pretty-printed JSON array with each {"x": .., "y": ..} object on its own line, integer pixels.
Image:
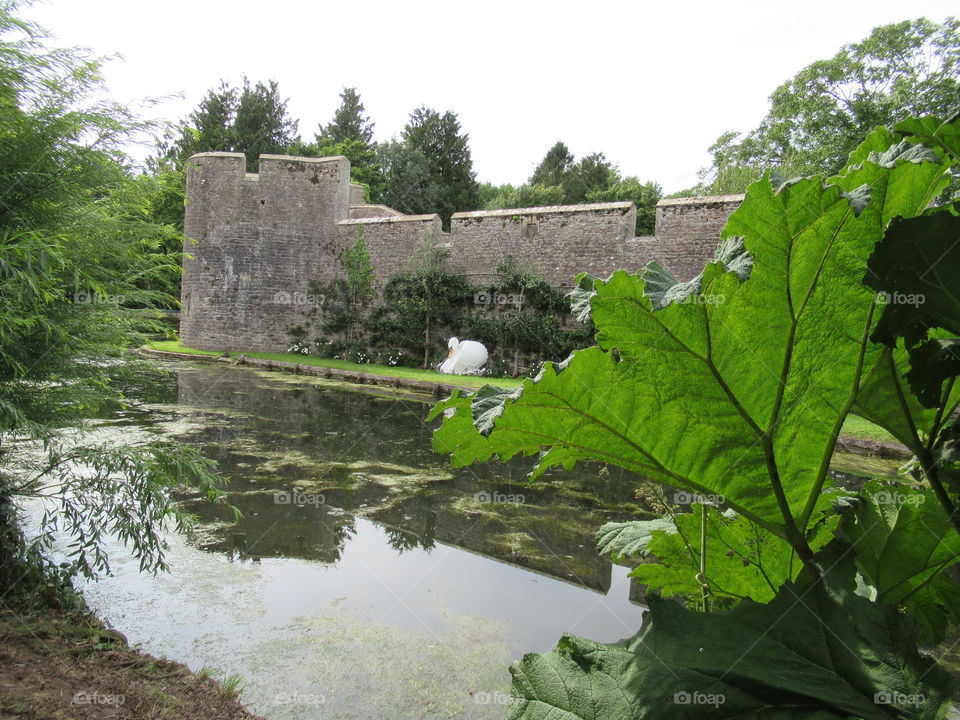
[{"x": 82, "y": 269}]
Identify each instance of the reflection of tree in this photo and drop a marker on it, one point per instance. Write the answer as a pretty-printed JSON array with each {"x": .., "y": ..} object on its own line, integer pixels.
[
  {"x": 403, "y": 540},
  {"x": 412, "y": 523},
  {"x": 340, "y": 531},
  {"x": 336, "y": 439}
]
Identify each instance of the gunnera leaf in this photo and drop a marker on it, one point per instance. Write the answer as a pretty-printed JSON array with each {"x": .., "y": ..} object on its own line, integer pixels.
[
  {"x": 915, "y": 269},
  {"x": 904, "y": 545},
  {"x": 701, "y": 393},
  {"x": 817, "y": 650}
]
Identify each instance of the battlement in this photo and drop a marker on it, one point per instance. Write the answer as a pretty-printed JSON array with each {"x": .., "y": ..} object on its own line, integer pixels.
[
  {"x": 263, "y": 240},
  {"x": 622, "y": 207}
]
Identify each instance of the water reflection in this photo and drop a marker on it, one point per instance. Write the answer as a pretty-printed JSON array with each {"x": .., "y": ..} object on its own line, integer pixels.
[
  {"x": 305, "y": 458},
  {"x": 361, "y": 553}
]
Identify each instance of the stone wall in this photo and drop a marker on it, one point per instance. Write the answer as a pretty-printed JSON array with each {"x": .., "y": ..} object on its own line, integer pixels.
[
  {"x": 687, "y": 230},
  {"x": 262, "y": 240},
  {"x": 561, "y": 240}
]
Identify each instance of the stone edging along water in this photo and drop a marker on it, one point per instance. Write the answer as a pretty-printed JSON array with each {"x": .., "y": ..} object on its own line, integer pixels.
[{"x": 855, "y": 445}]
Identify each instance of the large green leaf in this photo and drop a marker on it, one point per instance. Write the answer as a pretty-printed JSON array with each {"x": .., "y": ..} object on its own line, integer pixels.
[
  {"x": 817, "y": 650},
  {"x": 904, "y": 542},
  {"x": 932, "y": 132},
  {"x": 740, "y": 389},
  {"x": 885, "y": 399},
  {"x": 743, "y": 559},
  {"x": 626, "y": 539}
]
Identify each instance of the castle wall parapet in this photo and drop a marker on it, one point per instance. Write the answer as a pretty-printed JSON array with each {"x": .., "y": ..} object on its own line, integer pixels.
[{"x": 264, "y": 241}]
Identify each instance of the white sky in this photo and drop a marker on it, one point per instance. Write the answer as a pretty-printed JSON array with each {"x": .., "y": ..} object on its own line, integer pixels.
[{"x": 649, "y": 84}]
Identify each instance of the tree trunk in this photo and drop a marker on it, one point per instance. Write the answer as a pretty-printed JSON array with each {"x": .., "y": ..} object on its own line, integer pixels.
[{"x": 426, "y": 345}]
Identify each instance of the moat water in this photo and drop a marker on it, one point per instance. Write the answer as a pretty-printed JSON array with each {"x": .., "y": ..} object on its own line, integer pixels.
[{"x": 367, "y": 578}]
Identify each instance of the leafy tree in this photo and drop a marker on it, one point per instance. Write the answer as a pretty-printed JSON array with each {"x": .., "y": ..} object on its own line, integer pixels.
[
  {"x": 554, "y": 166},
  {"x": 75, "y": 250},
  {"x": 350, "y": 134},
  {"x": 644, "y": 195},
  {"x": 252, "y": 120},
  {"x": 817, "y": 117},
  {"x": 410, "y": 186},
  {"x": 209, "y": 128},
  {"x": 734, "y": 387},
  {"x": 564, "y": 180},
  {"x": 523, "y": 315},
  {"x": 591, "y": 173},
  {"x": 507, "y": 196},
  {"x": 421, "y": 302},
  {"x": 347, "y": 298},
  {"x": 359, "y": 271}
]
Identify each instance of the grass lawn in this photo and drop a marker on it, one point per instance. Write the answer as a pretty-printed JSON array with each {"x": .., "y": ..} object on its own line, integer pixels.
[
  {"x": 385, "y": 370},
  {"x": 858, "y": 427},
  {"x": 853, "y": 426}
]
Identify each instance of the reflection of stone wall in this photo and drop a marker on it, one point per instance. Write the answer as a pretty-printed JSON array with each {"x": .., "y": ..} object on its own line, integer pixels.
[
  {"x": 261, "y": 240},
  {"x": 276, "y": 437}
]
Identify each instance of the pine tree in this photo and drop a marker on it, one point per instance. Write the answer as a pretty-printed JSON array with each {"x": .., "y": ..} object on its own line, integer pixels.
[
  {"x": 553, "y": 167},
  {"x": 261, "y": 124},
  {"x": 448, "y": 164},
  {"x": 349, "y": 121}
]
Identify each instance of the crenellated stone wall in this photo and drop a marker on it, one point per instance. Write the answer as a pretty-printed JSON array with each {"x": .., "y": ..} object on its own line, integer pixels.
[{"x": 262, "y": 239}]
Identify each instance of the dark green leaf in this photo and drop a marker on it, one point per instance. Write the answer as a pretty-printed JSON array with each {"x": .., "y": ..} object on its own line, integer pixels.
[
  {"x": 816, "y": 651},
  {"x": 915, "y": 269},
  {"x": 904, "y": 543}
]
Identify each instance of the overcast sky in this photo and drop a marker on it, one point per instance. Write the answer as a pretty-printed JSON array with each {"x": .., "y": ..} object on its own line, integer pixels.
[{"x": 649, "y": 84}]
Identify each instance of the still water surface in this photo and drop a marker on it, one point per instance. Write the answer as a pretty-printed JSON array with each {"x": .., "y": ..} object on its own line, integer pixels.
[{"x": 367, "y": 577}]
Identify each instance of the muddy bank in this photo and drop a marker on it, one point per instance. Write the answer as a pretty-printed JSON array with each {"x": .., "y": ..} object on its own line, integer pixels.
[{"x": 65, "y": 665}]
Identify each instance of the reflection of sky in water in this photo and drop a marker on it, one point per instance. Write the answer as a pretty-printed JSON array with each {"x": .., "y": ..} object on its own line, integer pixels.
[
  {"x": 350, "y": 632},
  {"x": 414, "y": 588}
]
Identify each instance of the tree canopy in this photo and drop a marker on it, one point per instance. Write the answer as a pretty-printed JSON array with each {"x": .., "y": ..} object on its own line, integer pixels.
[
  {"x": 430, "y": 168},
  {"x": 350, "y": 121},
  {"x": 551, "y": 170},
  {"x": 252, "y": 120},
  {"x": 350, "y": 134},
  {"x": 816, "y": 118},
  {"x": 561, "y": 179}
]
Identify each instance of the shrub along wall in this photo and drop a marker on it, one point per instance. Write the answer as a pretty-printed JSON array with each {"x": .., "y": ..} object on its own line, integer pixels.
[{"x": 518, "y": 315}]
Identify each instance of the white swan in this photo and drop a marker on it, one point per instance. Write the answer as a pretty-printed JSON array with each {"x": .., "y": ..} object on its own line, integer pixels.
[{"x": 464, "y": 358}]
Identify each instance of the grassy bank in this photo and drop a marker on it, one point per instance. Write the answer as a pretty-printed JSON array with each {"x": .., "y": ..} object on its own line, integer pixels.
[
  {"x": 58, "y": 664},
  {"x": 853, "y": 426},
  {"x": 384, "y": 370}
]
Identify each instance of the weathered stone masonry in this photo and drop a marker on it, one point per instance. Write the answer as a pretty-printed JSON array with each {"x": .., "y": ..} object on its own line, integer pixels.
[{"x": 261, "y": 239}]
